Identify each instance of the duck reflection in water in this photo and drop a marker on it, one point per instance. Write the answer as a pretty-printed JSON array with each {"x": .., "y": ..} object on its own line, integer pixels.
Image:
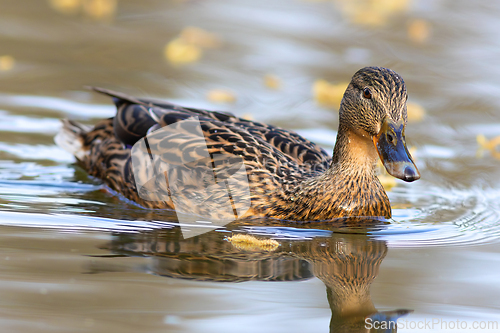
[{"x": 346, "y": 263}]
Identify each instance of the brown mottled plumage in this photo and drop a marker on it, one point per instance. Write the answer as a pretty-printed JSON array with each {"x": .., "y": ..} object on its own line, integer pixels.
[{"x": 289, "y": 177}]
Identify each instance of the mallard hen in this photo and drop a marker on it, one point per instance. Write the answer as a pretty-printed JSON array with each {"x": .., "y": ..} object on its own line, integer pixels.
[{"x": 286, "y": 176}]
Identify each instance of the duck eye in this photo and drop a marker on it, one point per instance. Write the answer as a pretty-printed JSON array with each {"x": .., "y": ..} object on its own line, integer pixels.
[
  {"x": 367, "y": 93},
  {"x": 390, "y": 138}
]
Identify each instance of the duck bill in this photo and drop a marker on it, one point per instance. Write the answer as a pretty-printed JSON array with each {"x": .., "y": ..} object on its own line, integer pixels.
[{"x": 392, "y": 150}]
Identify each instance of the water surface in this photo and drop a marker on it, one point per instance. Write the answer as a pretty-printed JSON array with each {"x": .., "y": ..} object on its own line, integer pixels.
[{"x": 77, "y": 258}]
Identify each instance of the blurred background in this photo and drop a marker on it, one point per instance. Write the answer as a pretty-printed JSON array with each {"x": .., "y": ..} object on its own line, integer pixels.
[{"x": 285, "y": 62}]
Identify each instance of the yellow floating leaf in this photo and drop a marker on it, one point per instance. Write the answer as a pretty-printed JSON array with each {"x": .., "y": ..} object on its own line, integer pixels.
[
  {"x": 66, "y": 6},
  {"x": 7, "y": 62},
  {"x": 247, "y": 116},
  {"x": 369, "y": 18},
  {"x": 221, "y": 96},
  {"x": 490, "y": 145},
  {"x": 328, "y": 94},
  {"x": 482, "y": 141},
  {"x": 188, "y": 47},
  {"x": 371, "y": 13},
  {"x": 178, "y": 51},
  {"x": 251, "y": 243},
  {"x": 419, "y": 31},
  {"x": 391, "y": 6},
  {"x": 100, "y": 9},
  {"x": 415, "y": 112},
  {"x": 272, "y": 81},
  {"x": 199, "y": 37}
]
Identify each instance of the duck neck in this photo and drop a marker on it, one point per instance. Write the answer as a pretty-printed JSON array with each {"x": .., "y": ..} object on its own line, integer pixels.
[
  {"x": 354, "y": 151},
  {"x": 349, "y": 187}
]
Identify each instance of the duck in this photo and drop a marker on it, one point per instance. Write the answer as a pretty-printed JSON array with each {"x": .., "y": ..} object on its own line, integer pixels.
[{"x": 285, "y": 176}]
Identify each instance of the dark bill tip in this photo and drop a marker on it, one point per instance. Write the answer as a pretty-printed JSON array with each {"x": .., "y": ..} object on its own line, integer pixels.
[{"x": 410, "y": 174}]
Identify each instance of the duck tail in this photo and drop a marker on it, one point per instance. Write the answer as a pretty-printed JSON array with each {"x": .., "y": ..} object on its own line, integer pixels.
[
  {"x": 118, "y": 97},
  {"x": 71, "y": 138}
]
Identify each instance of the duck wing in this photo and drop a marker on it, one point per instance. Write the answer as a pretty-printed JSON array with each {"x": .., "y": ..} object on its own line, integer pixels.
[
  {"x": 137, "y": 116},
  {"x": 147, "y": 140}
]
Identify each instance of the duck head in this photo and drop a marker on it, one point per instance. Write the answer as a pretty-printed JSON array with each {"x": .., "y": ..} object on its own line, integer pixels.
[{"x": 374, "y": 105}]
